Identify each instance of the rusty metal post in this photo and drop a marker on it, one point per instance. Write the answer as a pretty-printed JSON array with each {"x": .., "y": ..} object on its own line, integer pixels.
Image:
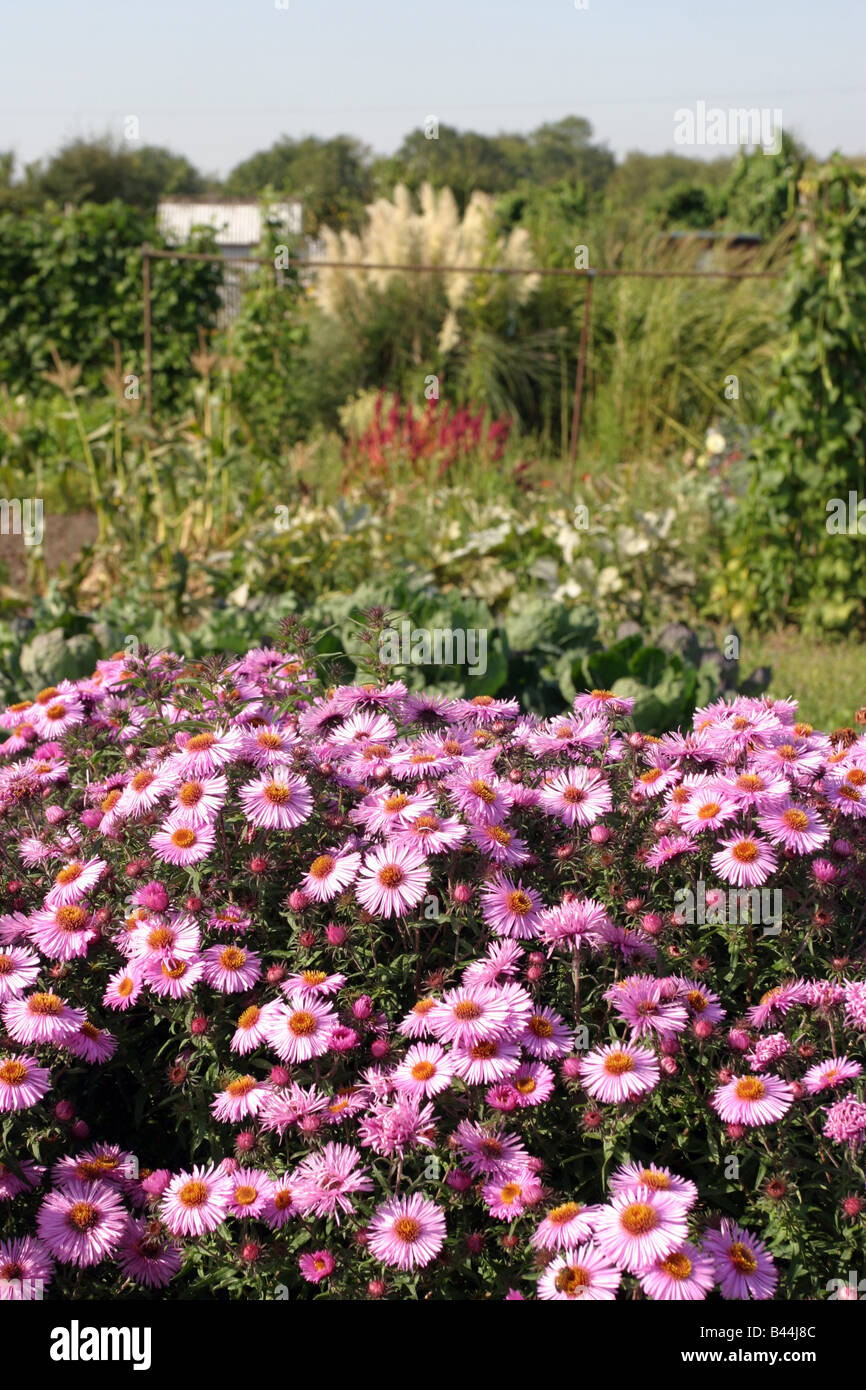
[
  {"x": 578, "y": 381},
  {"x": 148, "y": 337}
]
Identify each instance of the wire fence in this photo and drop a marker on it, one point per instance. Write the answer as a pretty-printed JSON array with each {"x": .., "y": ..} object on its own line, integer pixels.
[{"x": 238, "y": 269}]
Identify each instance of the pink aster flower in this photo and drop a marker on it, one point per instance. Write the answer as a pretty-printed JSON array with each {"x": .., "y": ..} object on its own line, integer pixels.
[
  {"x": 22, "y": 1082},
  {"x": 26, "y": 1269},
  {"x": 327, "y": 1182},
  {"x": 483, "y": 797},
  {"x": 631, "y": 1175},
  {"x": 794, "y": 825},
  {"x": 231, "y": 969},
  {"x": 142, "y": 792},
  {"x": 329, "y": 874},
  {"x": 753, "y": 1100},
  {"x": 18, "y": 971},
  {"x": 511, "y": 910},
  {"x": 174, "y": 976},
  {"x": 830, "y": 1073},
  {"x": 573, "y": 923},
  {"x": 317, "y": 1266},
  {"x": 179, "y": 841},
  {"x": 204, "y": 753},
  {"x": 94, "y": 1045},
  {"x": 145, "y": 1255},
  {"x": 669, "y": 847},
  {"x": 578, "y": 796},
  {"x": 281, "y": 1206},
  {"x": 584, "y": 1271},
  {"x": 743, "y": 1266},
  {"x": 619, "y": 1072},
  {"x": 488, "y": 1060},
  {"x": 685, "y": 1274},
  {"x": 123, "y": 988},
  {"x": 507, "y": 1200},
  {"x": 416, "y": 1023},
  {"x": 744, "y": 859},
  {"x": 564, "y": 1226},
  {"x": 62, "y": 932},
  {"x": 432, "y": 834},
  {"x": 74, "y": 881},
  {"x": 643, "y": 1003},
  {"x": 393, "y": 880},
  {"x": 425, "y": 1070},
  {"x": 490, "y": 1151},
  {"x": 199, "y": 800},
  {"x": 546, "y": 1035},
  {"x": 300, "y": 1029},
  {"x": 407, "y": 1232},
  {"x": 82, "y": 1223},
  {"x": 240, "y": 1099},
  {"x": 41, "y": 1017},
  {"x": 639, "y": 1226},
  {"x": 197, "y": 1202},
  {"x": 317, "y": 981},
  {"x": 846, "y": 1122},
  {"x": 278, "y": 800},
  {"x": 250, "y": 1190},
  {"x": 706, "y": 810},
  {"x": 777, "y": 1002},
  {"x": 533, "y": 1084},
  {"x": 467, "y": 1016}
]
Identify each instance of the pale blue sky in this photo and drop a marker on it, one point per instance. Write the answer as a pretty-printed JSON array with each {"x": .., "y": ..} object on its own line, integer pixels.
[{"x": 218, "y": 79}]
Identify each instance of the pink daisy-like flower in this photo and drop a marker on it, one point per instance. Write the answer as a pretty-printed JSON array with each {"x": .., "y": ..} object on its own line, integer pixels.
[
  {"x": 425, "y": 1070},
  {"x": 794, "y": 825},
  {"x": 489, "y": 1059},
  {"x": 507, "y": 1200},
  {"x": 564, "y": 1226},
  {"x": 199, "y": 800},
  {"x": 431, "y": 834},
  {"x": 329, "y": 874},
  {"x": 281, "y": 1207},
  {"x": 74, "y": 881},
  {"x": 197, "y": 1202},
  {"x": 231, "y": 969},
  {"x": 511, "y": 910},
  {"x": 62, "y": 932},
  {"x": 142, "y": 792},
  {"x": 145, "y": 1255},
  {"x": 546, "y": 1035},
  {"x": 573, "y": 923},
  {"x": 640, "y": 1226},
  {"x": 26, "y": 1269},
  {"x": 484, "y": 798},
  {"x": 753, "y": 1100},
  {"x": 123, "y": 988},
  {"x": 490, "y": 1151},
  {"x": 500, "y": 844},
  {"x": 250, "y": 1190},
  {"x": 578, "y": 796},
  {"x": 584, "y": 1271},
  {"x": 94, "y": 1045},
  {"x": 416, "y": 1023},
  {"x": 619, "y": 1072},
  {"x": 173, "y": 976},
  {"x": 300, "y": 1029},
  {"x": 669, "y": 847},
  {"x": 407, "y": 1232},
  {"x": 317, "y": 981},
  {"x": 685, "y": 1274},
  {"x": 631, "y": 1175},
  {"x": 278, "y": 800},
  {"x": 706, "y": 810},
  {"x": 181, "y": 842},
  {"x": 743, "y": 1266},
  {"x": 326, "y": 1183},
  {"x": 317, "y": 1266},
  {"x": 466, "y": 1016},
  {"x": 603, "y": 702},
  {"x": 745, "y": 860},
  {"x": 41, "y": 1017},
  {"x": 250, "y": 1032},
  {"x": 533, "y": 1083},
  {"x": 392, "y": 810},
  {"x": 833, "y": 1072},
  {"x": 22, "y": 1082},
  {"x": 393, "y": 880},
  {"x": 646, "y": 1007},
  {"x": 268, "y": 745},
  {"x": 82, "y": 1223},
  {"x": 777, "y": 1002},
  {"x": 241, "y": 1098},
  {"x": 204, "y": 753},
  {"x": 18, "y": 971}
]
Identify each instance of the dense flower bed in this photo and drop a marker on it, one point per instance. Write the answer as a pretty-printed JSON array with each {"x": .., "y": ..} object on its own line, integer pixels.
[{"x": 370, "y": 993}]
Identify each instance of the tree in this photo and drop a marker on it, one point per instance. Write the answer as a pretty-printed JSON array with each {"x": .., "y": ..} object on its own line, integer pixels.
[
  {"x": 564, "y": 150},
  {"x": 104, "y": 170},
  {"x": 331, "y": 178}
]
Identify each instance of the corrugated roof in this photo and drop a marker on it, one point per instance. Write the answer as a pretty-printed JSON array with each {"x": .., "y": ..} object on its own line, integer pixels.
[{"x": 235, "y": 223}]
